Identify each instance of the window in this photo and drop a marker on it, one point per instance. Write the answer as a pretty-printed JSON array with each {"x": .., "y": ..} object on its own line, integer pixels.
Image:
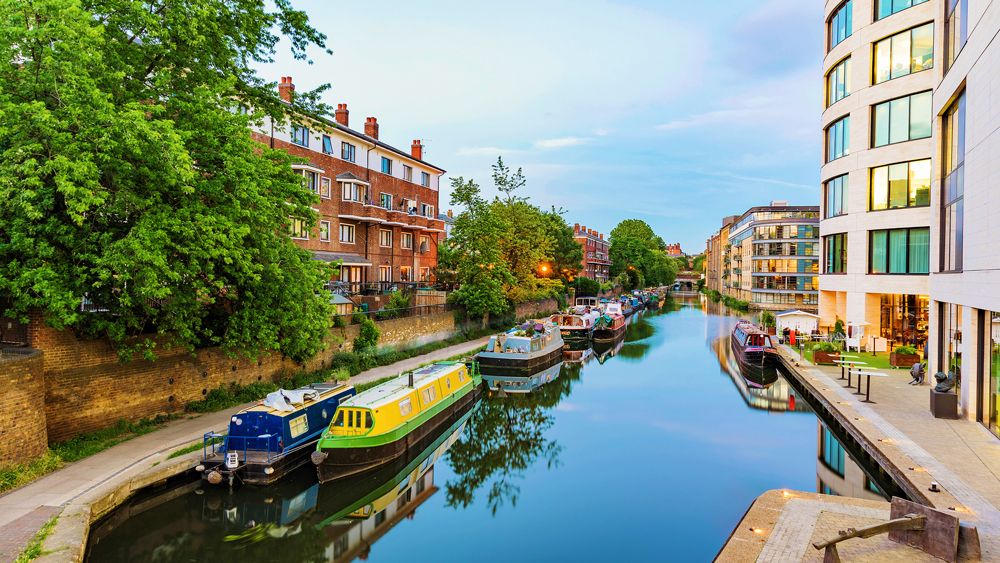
[
  {"x": 385, "y": 200},
  {"x": 429, "y": 395},
  {"x": 906, "y": 184},
  {"x": 300, "y": 135},
  {"x": 347, "y": 152},
  {"x": 839, "y": 27},
  {"x": 353, "y": 192},
  {"x": 385, "y": 273},
  {"x": 405, "y": 407},
  {"x": 832, "y": 455},
  {"x": 386, "y": 166},
  {"x": 298, "y": 426},
  {"x": 385, "y": 238},
  {"x": 424, "y": 244},
  {"x": 347, "y": 233},
  {"x": 953, "y": 185},
  {"x": 902, "y": 119},
  {"x": 838, "y": 138},
  {"x": 425, "y": 179},
  {"x": 835, "y": 250},
  {"x": 327, "y": 145},
  {"x": 836, "y": 196},
  {"x": 886, "y": 8},
  {"x": 904, "y": 53},
  {"x": 408, "y": 173},
  {"x": 899, "y": 251},
  {"x": 838, "y": 82},
  {"x": 324, "y": 231},
  {"x": 956, "y": 30},
  {"x": 404, "y": 273},
  {"x": 311, "y": 180},
  {"x": 426, "y": 210},
  {"x": 324, "y": 188},
  {"x": 406, "y": 240},
  {"x": 297, "y": 229}
]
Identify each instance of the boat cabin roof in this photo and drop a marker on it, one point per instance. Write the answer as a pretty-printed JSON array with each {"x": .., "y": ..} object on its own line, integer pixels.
[
  {"x": 397, "y": 388},
  {"x": 323, "y": 391}
]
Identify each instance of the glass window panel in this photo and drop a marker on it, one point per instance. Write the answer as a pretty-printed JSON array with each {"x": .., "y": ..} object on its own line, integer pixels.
[
  {"x": 900, "y": 55},
  {"x": 898, "y": 177},
  {"x": 897, "y": 251},
  {"x": 899, "y": 122},
  {"x": 880, "y": 188},
  {"x": 920, "y": 182},
  {"x": 920, "y": 249},
  {"x": 878, "y": 250},
  {"x": 920, "y": 115},
  {"x": 884, "y": 8},
  {"x": 922, "y": 54},
  {"x": 883, "y": 60},
  {"x": 881, "y": 125},
  {"x": 898, "y": 5}
]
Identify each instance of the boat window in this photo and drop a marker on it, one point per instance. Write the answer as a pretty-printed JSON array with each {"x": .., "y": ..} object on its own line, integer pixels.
[
  {"x": 368, "y": 420},
  {"x": 405, "y": 408},
  {"x": 339, "y": 420},
  {"x": 298, "y": 426},
  {"x": 430, "y": 394},
  {"x": 461, "y": 374}
]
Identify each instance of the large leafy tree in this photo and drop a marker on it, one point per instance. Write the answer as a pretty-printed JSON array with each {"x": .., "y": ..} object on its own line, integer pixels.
[
  {"x": 567, "y": 254},
  {"x": 638, "y": 257},
  {"x": 129, "y": 180}
]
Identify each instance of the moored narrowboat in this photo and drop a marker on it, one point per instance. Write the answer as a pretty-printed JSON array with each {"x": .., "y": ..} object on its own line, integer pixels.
[
  {"x": 267, "y": 440},
  {"x": 379, "y": 425},
  {"x": 610, "y": 325},
  {"x": 577, "y": 322},
  {"x": 530, "y": 347},
  {"x": 752, "y": 347}
]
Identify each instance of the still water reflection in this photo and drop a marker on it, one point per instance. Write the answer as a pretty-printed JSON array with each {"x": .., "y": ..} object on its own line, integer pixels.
[{"x": 650, "y": 448}]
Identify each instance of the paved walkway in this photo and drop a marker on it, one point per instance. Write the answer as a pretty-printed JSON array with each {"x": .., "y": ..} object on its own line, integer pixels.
[
  {"x": 21, "y": 508},
  {"x": 961, "y": 455}
]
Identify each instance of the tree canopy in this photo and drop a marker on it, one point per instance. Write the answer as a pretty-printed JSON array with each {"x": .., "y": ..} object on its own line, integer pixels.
[
  {"x": 638, "y": 257},
  {"x": 132, "y": 196}
]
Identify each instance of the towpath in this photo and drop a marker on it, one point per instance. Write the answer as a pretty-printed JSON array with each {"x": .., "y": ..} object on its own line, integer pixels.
[{"x": 24, "y": 510}]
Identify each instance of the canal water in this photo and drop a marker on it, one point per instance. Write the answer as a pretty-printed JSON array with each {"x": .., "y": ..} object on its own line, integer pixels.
[{"x": 650, "y": 449}]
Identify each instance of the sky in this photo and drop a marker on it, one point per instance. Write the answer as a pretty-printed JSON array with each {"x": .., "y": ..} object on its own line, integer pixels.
[{"x": 676, "y": 113}]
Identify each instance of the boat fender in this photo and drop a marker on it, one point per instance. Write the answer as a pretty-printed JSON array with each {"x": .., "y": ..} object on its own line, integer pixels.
[
  {"x": 318, "y": 457},
  {"x": 214, "y": 477}
]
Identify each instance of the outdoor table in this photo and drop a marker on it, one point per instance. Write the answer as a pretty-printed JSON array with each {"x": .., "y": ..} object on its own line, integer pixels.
[
  {"x": 869, "y": 375},
  {"x": 851, "y": 363}
]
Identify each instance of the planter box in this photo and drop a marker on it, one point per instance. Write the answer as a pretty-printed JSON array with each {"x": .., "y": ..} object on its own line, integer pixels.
[
  {"x": 825, "y": 358},
  {"x": 903, "y": 360},
  {"x": 771, "y": 330}
]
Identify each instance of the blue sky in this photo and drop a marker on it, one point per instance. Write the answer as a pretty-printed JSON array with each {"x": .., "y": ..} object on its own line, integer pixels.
[{"x": 677, "y": 113}]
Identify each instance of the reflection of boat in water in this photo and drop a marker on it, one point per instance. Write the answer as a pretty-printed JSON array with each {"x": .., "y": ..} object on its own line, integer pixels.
[
  {"x": 525, "y": 383},
  {"x": 382, "y": 423},
  {"x": 761, "y": 388},
  {"x": 604, "y": 350},
  {"x": 578, "y": 356}
]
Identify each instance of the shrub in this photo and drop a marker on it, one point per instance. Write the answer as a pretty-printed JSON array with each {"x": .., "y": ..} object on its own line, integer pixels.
[
  {"x": 838, "y": 327},
  {"x": 767, "y": 319},
  {"x": 586, "y": 287},
  {"x": 398, "y": 300},
  {"x": 358, "y": 317},
  {"x": 905, "y": 350},
  {"x": 339, "y": 322},
  {"x": 367, "y": 337},
  {"x": 828, "y": 347}
]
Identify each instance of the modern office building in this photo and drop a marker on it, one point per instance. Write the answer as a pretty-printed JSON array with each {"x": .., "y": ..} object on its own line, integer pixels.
[
  {"x": 965, "y": 207},
  {"x": 881, "y": 66},
  {"x": 377, "y": 203},
  {"x": 774, "y": 252},
  {"x": 596, "y": 263}
]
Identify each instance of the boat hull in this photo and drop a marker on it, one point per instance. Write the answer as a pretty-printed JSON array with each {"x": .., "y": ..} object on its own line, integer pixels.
[
  {"x": 339, "y": 463},
  {"x": 543, "y": 359},
  {"x": 752, "y": 359},
  {"x": 575, "y": 333},
  {"x": 609, "y": 334},
  {"x": 253, "y": 473}
]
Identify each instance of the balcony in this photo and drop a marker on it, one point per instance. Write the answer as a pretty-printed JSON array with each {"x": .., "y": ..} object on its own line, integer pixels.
[{"x": 407, "y": 219}]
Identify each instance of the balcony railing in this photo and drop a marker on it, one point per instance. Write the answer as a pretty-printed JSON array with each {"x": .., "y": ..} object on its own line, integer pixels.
[
  {"x": 408, "y": 312},
  {"x": 376, "y": 288}
]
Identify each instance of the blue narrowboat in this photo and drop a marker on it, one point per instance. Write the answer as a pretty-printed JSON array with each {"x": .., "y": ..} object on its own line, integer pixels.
[{"x": 273, "y": 437}]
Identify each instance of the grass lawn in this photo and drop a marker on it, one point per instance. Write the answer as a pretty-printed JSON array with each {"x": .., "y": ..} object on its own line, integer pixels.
[{"x": 879, "y": 360}]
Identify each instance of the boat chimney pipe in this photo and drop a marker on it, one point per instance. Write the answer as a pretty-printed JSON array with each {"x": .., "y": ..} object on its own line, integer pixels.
[{"x": 411, "y": 380}]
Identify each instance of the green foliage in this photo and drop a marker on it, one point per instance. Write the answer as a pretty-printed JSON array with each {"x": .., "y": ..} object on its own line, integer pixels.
[
  {"x": 446, "y": 270},
  {"x": 586, "y": 287},
  {"x": 735, "y": 304},
  {"x": 34, "y": 548},
  {"x": 339, "y": 322},
  {"x": 398, "y": 300},
  {"x": 838, "y": 327},
  {"x": 906, "y": 350},
  {"x": 567, "y": 254},
  {"x": 635, "y": 247},
  {"x": 16, "y": 475},
  {"x": 193, "y": 447},
  {"x": 767, "y": 319},
  {"x": 129, "y": 180},
  {"x": 698, "y": 263},
  {"x": 358, "y": 317},
  {"x": 828, "y": 347},
  {"x": 368, "y": 334},
  {"x": 90, "y": 443}
]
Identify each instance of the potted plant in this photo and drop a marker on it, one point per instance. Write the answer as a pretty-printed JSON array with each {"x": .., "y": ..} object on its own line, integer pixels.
[
  {"x": 767, "y": 319},
  {"x": 904, "y": 357},
  {"x": 825, "y": 353}
]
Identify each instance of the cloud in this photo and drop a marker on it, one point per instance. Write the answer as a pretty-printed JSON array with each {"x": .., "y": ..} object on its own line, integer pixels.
[
  {"x": 561, "y": 142},
  {"x": 485, "y": 151},
  {"x": 602, "y": 132}
]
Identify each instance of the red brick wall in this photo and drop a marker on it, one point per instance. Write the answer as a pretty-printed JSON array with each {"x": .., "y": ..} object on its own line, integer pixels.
[{"x": 22, "y": 408}]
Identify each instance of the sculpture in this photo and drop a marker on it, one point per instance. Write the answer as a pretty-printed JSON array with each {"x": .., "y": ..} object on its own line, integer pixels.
[{"x": 945, "y": 382}]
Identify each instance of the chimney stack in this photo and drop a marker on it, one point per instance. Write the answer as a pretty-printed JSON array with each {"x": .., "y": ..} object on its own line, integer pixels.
[
  {"x": 286, "y": 89},
  {"x": 576, "y": 227},
  {"x": 371, "y": 127},
  {"x": 450, "y": 214},
  {"x": 601, "y": 236},
  {"x": 417, "y": 150},
  {"x": 341, "y": 115}
]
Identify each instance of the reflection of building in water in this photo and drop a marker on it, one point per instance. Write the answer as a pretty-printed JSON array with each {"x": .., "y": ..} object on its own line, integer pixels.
[
  {"x": 837, "y": 473},
  {"x": 762, "y": 389}
]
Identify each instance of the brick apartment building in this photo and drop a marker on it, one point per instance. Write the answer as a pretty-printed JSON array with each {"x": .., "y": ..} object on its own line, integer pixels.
[
  {"x": 378, "y": 204},
  {"x": 674, "y": 249},
  {"x": 596, "y": 263}
]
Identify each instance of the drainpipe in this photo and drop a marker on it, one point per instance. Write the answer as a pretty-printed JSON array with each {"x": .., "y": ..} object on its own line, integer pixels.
[{"x": 368, "y": 178}]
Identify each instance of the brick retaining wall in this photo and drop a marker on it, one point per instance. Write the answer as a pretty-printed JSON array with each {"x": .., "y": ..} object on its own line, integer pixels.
[{"x": 22, "y": 407}]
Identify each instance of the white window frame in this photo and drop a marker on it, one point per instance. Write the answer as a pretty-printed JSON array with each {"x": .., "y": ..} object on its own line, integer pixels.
[
  {"x": 353, "y": 190},
  {"x": 302, "y": 231},
  {"x": 403, "y": 238},
  {"x": 325, "y": 191},
  {"x": 296, "y": 130},
  {"x": 409, "y": 271},
  {"x": 323, "y": 143},
  {"x": 323, "y": 224},
  {"x": 382, "y": 233},
  {"x": 428, "y": 210},
  {"x": 345, "y": 152},
  {"x": 407, "y": 173},
  {"x": 385, "y": 269},
  {"x": 382, "y": 165},
  {"x": 383, "y": 205},
  {"x": 346, "y": 228},
  {"x": 425, "y": 179}
]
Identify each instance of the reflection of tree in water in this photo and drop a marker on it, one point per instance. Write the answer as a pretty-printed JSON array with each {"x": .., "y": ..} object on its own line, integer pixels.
[
  {"x": 505, "y": 437},
  {"x": 639, "y": 329}
]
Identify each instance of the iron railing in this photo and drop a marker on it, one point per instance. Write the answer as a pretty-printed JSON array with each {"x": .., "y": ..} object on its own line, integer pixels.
[{"x": 384, "y": 314}]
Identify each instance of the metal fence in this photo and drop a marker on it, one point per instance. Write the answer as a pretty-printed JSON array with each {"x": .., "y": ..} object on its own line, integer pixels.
[
  {"x": 375, "y": 288},
  {"x": 385, "y": 314}
]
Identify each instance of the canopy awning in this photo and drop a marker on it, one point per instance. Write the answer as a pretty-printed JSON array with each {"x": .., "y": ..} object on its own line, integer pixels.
[{"x": 345, "y": 258}]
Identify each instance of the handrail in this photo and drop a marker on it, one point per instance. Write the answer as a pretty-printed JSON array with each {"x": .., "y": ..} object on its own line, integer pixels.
[{"x": 906, "y": 523}]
